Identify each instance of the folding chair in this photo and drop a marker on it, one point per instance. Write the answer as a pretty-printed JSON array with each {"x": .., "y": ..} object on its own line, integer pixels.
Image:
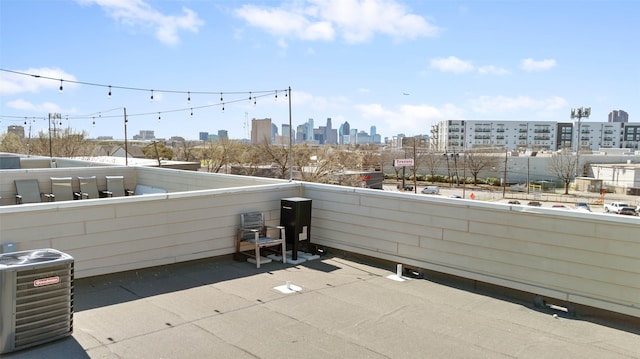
[
  {"x": 89, "y": 188},
  {"x": 62, "y": 189},
  {"x": 28, "y": 191},
  {"x": 253, "y": 235},
  {"x": 115, "y": 185}
]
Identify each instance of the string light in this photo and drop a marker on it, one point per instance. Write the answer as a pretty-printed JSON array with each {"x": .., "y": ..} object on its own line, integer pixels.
[{"x": 110, "y": 88}]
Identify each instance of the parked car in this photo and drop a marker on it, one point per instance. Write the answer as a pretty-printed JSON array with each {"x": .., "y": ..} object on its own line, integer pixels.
[
  {"x": 431, "y": 190},
  {"x": 513, "y": 201},
  {"x": 406, "y": 187},
  {"x": 534, "y": 203},
  {"x": 455, "y": 196},
  {"x": 628, "y": 211},
  {"x": 559, "y": 206},
  {"x": 615, "y": 206},
  {"x": 583, "y": 206}
]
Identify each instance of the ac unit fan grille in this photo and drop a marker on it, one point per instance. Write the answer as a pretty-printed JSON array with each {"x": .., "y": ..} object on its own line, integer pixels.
[{"x": 44, "y": 312}]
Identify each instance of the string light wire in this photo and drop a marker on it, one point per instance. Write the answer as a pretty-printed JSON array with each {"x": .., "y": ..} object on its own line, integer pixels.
[{"x": 252, "y": 95}]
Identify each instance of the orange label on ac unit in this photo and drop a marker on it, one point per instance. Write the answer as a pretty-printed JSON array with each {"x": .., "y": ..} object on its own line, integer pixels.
[{"x": 46, "y": 281}]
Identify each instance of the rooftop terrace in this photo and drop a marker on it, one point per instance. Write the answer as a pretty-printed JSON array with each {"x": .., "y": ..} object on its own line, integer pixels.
[
  {"x": 346, "y": 308},
  {"x": 134, "y": 251}
]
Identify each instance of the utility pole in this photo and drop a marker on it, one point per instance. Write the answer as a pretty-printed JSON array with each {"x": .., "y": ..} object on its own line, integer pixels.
[
  {"x": 54, "y": 117},
  {"x": 126, "y": 147},
  {"x": 290, "y": 140},
  {"x": 579, "y": 113},
  {"x": 504, "y": 186}
]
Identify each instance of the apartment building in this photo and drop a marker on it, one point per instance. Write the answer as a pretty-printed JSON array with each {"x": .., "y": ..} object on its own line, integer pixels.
[{"x": 459, "y": 135}]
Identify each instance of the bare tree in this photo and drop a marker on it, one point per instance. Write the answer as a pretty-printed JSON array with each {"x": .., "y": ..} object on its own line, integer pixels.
[
  {"x": 370, "y": 157},
  {"x": 563, "y": 164},
  {"x": 278, "y": 156},
  {"x": 432, "y": 161},
  {"x": 73, "y": 144},
  {"x": 185, "y": 150},
  {"x": 313, "y": 164},
  {"x": 10, "y": 142},
  {"x": 477, "y": 161},
  {"x": 157, "y": 151},
  {"x": 218, "y": 154},
  {"x": 62, "y": 143}
]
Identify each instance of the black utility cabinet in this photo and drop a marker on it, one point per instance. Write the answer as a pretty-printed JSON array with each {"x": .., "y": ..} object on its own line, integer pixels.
[{"x": 295, "y": 216}]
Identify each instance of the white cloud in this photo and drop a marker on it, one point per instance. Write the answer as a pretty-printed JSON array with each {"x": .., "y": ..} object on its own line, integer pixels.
[
  {"x": 28, "y": 106},
  {"x": 531, "y": 65},
  {"x": 12, "y": 83},
  {"x": 137, "y": 13},
  {"x": 355, "y": 21},
  {"x": 492, "y": 70},
  {"x": 452, "y": 64},
  {"x": 408, "y": 119},
  {"x": 497, "y": 104}
]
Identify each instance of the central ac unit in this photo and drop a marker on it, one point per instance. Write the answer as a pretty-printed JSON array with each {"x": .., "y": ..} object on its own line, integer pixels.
[{"x": 36, "y": 298}]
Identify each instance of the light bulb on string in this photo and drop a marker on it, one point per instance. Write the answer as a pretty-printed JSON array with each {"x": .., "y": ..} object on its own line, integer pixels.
[
  {"x": 158, "y": 116},
  {"x": 151, "y": 96},
  {"x": 254, "y": 102},
  {"x": 221, "y": 99},
  {"x": 109, "y": 95},
  {"x": 249, "y": 96},
  {"x": 223, "y": 107},
  {"x": 188, "y": 97},
  {"x": 94, "y": 122},
  {"x": 61, "y": 88},
  {"x": 191, "y": 112}
]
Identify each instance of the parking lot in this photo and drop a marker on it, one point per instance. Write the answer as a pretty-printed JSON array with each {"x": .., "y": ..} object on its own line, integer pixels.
[{"x": 546, "y": 200}]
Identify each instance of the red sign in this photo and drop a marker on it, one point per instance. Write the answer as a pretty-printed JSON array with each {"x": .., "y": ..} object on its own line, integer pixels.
[{"x": 46, "y": 281}]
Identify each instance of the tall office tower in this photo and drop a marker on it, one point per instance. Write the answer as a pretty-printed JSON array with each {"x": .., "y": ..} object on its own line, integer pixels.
[
  {"x": 223, "y": 134},
  {"x": 286, "y": 130},
  {"x": 373, "y": 135},
  {"x": 346, "y": 128},
  {"x": 261, "y": 131},
  {"x": 618, "y": 116},
  {"x": 301, "y": 134},
  {"x": 274, "y": 132},
  {"x": 203, "y": 136}
]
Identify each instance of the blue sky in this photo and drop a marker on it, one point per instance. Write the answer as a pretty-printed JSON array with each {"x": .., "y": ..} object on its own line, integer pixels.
[{"x": 398, "y": 65}]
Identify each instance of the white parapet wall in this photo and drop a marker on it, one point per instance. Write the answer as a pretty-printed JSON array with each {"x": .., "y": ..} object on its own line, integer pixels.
[
  {"x": 110, "y": 235},
  {"x": 585, "y": 258}
]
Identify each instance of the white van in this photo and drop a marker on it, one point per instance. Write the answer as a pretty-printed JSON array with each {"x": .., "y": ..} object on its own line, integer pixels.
[{"x": 431, "y": 190}]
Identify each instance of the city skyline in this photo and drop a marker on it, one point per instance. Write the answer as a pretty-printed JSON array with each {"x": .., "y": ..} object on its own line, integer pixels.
[{"x": 401, "y": 66}]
